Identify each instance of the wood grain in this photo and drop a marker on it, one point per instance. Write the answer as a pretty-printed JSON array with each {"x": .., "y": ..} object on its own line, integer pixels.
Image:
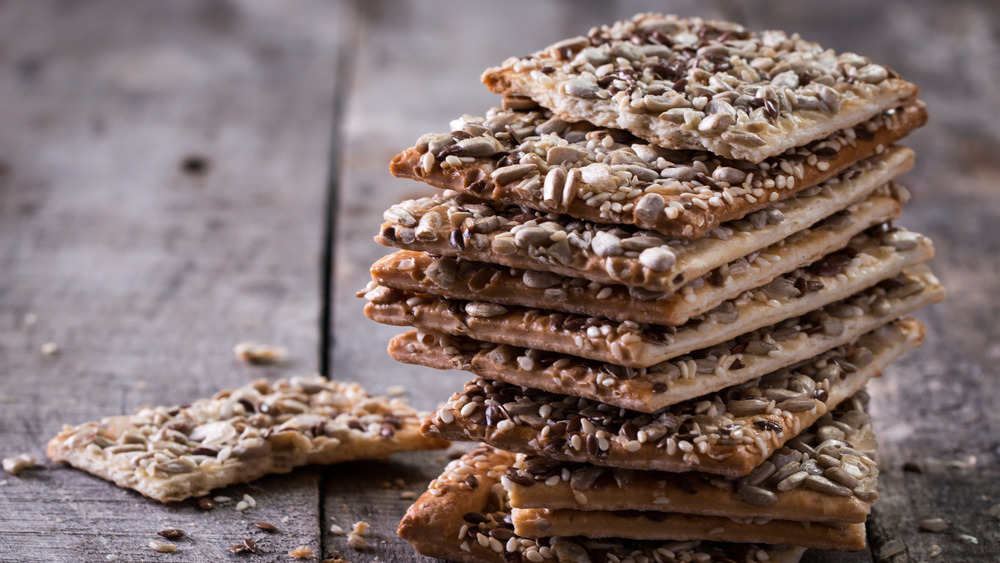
[
  {"x": 160, "y": 201},
  {"x": 162, "y": 177}
]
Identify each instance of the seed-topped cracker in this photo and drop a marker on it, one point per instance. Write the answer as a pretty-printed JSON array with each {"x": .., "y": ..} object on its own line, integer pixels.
[
  {"x": 538, "y": 161},
  {"x": 694, "y": 84},
  {"x": 173, "y": 453},
  {"x": 712, "y": 368},
  {"x": 725, "y": 433},
  {"x": 825, "y": 474},
  {"x": 452, "y": 224},
  {"x": 663, "y": 526},
  {"x": 418, "y": 272},
  {"x": 465, "y": 516},
  {"x": 624, "y": 343}
]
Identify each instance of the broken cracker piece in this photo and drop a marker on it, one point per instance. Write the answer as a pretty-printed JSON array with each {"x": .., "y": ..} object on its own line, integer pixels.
[{"x": 173, "y": 453}]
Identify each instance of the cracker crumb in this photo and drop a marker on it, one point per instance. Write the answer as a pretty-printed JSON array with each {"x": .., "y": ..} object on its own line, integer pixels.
[
  {"x": 356, "y": 540},
  {"x": 407, "y": 495},
  {"x": 934, "y": 551},
  {"x": 162, "y": 546},
  {"x": 285, "y": 519},
  {"x": 50, "y": 349},
  {"x": 396, "y": 390},
  {"x": 400, "y": 482},
  {"x": 259, "y": 354},
  {"x": 15, "y": 465},
  {"x": 335, "y": 558},
  {"x": 301, "y": 552}
]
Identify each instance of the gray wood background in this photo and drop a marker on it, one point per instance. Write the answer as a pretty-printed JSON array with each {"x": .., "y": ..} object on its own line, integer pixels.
[{"x": 179, "y": 176}]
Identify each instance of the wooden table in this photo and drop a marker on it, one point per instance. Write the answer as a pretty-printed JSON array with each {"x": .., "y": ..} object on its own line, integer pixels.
[{"x": 179, "y": 176}]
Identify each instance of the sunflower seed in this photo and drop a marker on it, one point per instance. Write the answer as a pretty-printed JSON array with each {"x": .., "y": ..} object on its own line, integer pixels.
[{"x": 657, "y": 259}]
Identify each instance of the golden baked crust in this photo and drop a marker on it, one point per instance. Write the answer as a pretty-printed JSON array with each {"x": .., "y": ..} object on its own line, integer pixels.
[
  {"x": 825, "y": 474},
  {"x": 626, "y": 344},
  {"x": 464, "y": 516},
  {"x": 452, "y": 224},
  {"x": 694, "y": 84},
  {"x": 608, "y": 176},
  {"x": 726, "y": 433},
  {"x": 713, "y": 298},
  {"x": 733, "y": 362},
  {"x": 173, "y": 453},
  {"x": 651, "y": 526}
]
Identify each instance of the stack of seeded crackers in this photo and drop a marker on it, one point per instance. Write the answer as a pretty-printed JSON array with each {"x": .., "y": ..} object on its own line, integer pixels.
[{"x": 669, "y": 261}]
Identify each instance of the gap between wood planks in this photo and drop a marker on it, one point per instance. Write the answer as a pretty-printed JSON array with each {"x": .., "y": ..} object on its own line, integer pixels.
[{"x": 351, "y": 26}]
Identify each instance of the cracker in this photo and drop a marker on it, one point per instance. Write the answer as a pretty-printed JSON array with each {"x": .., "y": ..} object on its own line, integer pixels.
[
  {"x": 653, "y": 526},
  {"x": 626, "y": 343},
  {"x": 173, "y": 453},
  {"x": 419, "y": 272},
  {"x": 538, "y": 161},
  {"x": 827, "y": 473},
  {"x": 696, "y": 435},
  {"x": 464, "y": 516},
  {"x": 694, "y": 84},
  {"x": 736, "y": 361},
  {"x": 451, "y": 224}
]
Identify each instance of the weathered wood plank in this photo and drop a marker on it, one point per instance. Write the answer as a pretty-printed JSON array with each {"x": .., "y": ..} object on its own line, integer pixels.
[
  {"x": 161, "y": 200},
  {"x": 937, "y": 405}
]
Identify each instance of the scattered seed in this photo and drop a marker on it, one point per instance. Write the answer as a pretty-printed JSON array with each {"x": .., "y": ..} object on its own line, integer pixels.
[
  {"x": 891, "y": 548},
  {"x": 396, "y": 390},
  {"x": 407, "y": 495},
  {"x": 50, "y": 349},
  {"x": 259, "y": 354},
  {"x": 912, "y": 467},
  {"x": 171, "y": 533},
  {"x": 15, "y": 465},
  {"x": 933, "y": 525},
  {"x": 205, "y": 503},
  {"x": 248, "y": 546},
  {"x": 266, "y": 526},
  {"x": 969, "y": 539},
  {"x": 162, "y": 547}
]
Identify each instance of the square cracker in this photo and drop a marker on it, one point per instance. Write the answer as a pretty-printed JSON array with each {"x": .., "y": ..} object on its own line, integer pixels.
[
  {"x": 173, "y": 453},
  {"x": 725, "y": 433},
  {"x": 534, "y": 160},
  {"x": 464, "y": 516},
  {"x": 628, "y": 343},
  {"x": 827, "y": 473},
  {"x": 420, "y": 272},
  {"x": 733, "y": 362},
  {"x": 695, "y": 84},
  {"x": 451, "y": 224}
]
